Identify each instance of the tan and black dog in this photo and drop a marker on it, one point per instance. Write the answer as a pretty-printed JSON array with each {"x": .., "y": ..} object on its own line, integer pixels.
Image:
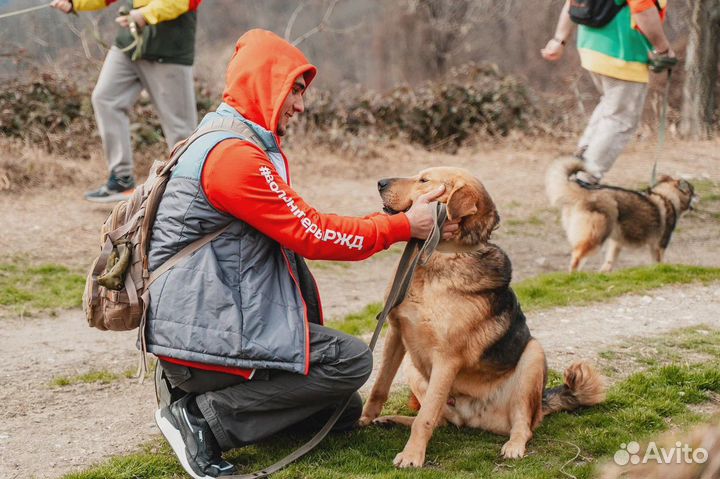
[
  {"x": 473, "y": 361},
  {"x": 623, "y": 218}
]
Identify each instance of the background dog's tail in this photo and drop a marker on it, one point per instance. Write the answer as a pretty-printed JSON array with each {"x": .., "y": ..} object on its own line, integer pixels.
[
  {"x": 557, "y": 186},
  {"x": 584, "y": 386}
]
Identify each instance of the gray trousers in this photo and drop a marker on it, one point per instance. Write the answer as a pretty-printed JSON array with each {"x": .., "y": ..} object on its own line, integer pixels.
[
  {"x": 613, "y": 122},
  {"x": 243, "y": 412},
  {"x": 120, "y": 82}
]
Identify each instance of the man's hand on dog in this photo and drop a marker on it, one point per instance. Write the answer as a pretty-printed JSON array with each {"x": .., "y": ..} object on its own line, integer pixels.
[{"x": 421, "y": 218}]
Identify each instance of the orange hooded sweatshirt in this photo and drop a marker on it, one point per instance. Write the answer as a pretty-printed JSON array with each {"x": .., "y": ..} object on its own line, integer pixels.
[{"x": 239, "y": 179}]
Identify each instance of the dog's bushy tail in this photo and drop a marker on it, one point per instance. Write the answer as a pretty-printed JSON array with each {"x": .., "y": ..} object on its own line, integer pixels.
[
  {"x": 557, "y": 186},
  {"x": 583, "y": 386}
]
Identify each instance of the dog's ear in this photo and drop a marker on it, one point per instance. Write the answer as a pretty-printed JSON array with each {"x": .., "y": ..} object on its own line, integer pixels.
[
  {"x": 663, "y": 179},
  {"x": 461, "y": 202},
  {"x": 490, "y": 221}
]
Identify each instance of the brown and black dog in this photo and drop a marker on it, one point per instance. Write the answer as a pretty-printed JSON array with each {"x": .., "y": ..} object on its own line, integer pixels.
[
  {"x": 622, "y": 218},
  {"x": 473, "y": 360}
]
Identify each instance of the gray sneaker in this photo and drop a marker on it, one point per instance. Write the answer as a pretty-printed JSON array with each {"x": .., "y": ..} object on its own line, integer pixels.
[
  {"x": 116, "y": 189},
  {"x": 585, "y": 179},
  {"x": 192, "y": 441}
]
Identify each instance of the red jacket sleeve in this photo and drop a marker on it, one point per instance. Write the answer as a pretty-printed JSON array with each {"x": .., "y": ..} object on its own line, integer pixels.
[
  {"x": 240, "y": 180},
  {"x": 639, "y": 6}
]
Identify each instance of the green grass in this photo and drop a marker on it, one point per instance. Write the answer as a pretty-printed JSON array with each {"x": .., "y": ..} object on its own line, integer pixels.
[
  {"x": 638, "y": 407},
  {"x": 708, "y": 190},
  {"x": 25, "y": 288},
  {"x": 102, "y": 377},
  {"x": 360, "y": 322},
  {"x": 684, "y": 347},
  {"x": 709, "y": 205},
  {"x": 563, "y": 289},
  {"x": 529, "y": 221}
]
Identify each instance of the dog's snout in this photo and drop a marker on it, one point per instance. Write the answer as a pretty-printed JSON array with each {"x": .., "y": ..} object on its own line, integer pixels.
[{"x": 383, "y": 184}]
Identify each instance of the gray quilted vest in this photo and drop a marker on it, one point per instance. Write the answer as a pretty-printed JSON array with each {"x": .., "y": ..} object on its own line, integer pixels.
[{"x": 234, "y": 302}]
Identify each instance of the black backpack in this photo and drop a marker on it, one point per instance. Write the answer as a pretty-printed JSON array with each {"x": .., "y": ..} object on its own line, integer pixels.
[{"x": 594, "y": 13}]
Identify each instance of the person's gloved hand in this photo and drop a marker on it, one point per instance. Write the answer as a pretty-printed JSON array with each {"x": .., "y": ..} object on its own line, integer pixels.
[{"x": 659, "y": 62}]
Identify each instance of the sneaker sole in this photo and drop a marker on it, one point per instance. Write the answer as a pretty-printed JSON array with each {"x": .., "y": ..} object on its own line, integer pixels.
[
  {"x": 114, "y": 198},
  {"x": 174, "y": 438}
]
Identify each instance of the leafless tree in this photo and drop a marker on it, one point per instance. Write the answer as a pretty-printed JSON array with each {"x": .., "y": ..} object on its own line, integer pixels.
[{"x": 701, "y": 70}]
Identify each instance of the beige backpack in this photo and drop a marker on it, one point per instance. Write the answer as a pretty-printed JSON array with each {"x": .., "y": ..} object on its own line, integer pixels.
[{"x": 116, "y": 290}]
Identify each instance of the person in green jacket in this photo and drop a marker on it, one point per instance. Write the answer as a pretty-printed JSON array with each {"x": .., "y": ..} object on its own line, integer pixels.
[
  {"x": 161, "y": 65},
  {"x": 617, "y": 56}
]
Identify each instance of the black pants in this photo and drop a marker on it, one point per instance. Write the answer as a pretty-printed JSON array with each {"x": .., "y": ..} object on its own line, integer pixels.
[{"x": 242, "y": 412}]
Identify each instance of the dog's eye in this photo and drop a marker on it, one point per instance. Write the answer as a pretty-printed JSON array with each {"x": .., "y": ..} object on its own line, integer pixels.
[{"x": 424, "y": 180}]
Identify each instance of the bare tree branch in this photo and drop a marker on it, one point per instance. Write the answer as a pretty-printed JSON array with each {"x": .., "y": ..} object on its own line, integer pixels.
[
  {"x": 95, "y": 31},
  {"x": 291, "y": 20},
  {"x": 319, "y": 28},
  {"x": 81, "y": 35}
]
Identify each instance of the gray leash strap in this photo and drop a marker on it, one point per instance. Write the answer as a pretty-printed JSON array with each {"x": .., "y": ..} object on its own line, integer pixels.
[
  {"x": 413, "y": 255},
  {"x": 661, "y": 128},
  {"x": 24, "y": 10},
  {"x": 407, "y": 265},
  {"x": 663, "y": 111}
]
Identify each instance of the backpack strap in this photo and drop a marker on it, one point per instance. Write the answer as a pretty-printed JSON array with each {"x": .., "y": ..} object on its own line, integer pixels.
[
  {"x": 219, "y": 124},
  {"x": 184, "y": 253}
]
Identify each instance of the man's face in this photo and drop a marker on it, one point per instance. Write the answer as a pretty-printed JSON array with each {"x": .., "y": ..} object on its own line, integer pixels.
[{"x": 293, "y": 104}]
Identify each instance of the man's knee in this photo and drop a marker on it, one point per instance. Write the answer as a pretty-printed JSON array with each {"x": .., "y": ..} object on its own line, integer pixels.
[
  {"x": 355, "y": 362},
  {"x": 102, "y": 98},
  {"x": 98, "y": 97}
]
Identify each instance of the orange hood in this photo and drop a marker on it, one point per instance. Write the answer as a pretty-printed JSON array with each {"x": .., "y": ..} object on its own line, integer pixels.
[{"x": 260, "y": 75}]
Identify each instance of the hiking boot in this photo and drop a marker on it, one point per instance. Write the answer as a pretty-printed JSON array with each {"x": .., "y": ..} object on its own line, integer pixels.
[
  {"x": 116, "y": 189},
  {"x": 191, "y": 439}
]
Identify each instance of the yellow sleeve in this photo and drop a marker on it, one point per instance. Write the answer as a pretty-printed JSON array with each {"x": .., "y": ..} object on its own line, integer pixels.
[
  {"x": 157, "y": 11},
  {"x": 88, "y": 5}
]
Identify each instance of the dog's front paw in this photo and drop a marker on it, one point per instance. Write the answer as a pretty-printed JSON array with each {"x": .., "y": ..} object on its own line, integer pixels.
[
  {"x": 369, "y": 413},
  {"x": 384, "y": 421},
  {"x": 365, "y": 421},
  {"x": 513, "y": 449},
  {"x": 409, "y": 459}
]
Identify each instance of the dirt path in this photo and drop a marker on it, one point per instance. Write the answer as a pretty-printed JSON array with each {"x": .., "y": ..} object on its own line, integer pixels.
[
  {"x": 48, "y": 431},
  {"x": 58, "y": 226}
]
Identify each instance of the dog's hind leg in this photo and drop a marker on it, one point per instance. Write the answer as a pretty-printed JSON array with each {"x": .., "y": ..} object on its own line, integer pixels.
[
  {"x": 579, "y": 254},
  {"x": 586, "y": 232},
  {"x": 611, "y": 255},
  {"x": 657, "y": 253}
]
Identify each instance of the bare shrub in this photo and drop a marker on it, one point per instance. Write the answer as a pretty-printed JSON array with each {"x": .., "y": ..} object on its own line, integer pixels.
[
  {"x": 470, "y": 101},
  {"x": 24, "y": 167}
]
